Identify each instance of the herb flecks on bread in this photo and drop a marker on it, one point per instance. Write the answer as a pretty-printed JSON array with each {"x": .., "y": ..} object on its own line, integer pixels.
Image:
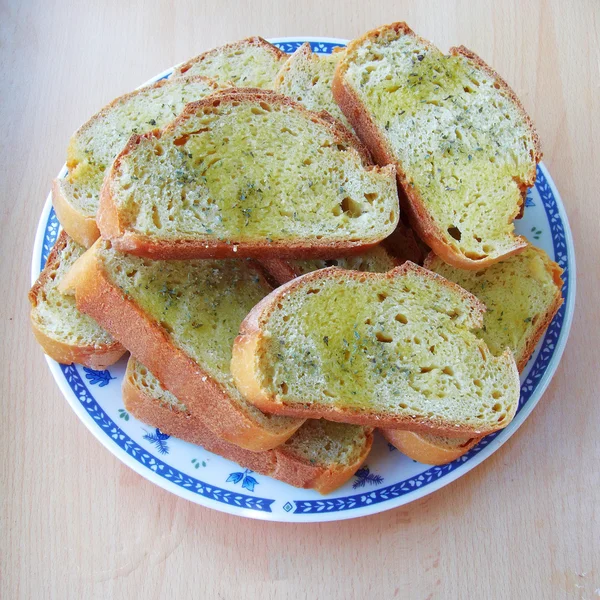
[
  {"x": 247, "y": 173},
  {"x": 464, "y": 148},
  {"x": 394, "y": 350}
]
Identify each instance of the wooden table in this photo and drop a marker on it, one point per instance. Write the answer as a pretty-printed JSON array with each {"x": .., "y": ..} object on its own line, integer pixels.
[{"x": 76, "y": 523}]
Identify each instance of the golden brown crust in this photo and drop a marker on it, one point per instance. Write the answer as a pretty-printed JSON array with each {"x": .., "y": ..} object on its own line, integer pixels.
[
  {"x": 81, "y": 227},
  {"x": 411, "y": 201},
  {"x": 124, "y": 240},
  {"x": 256, "y": 40},
  {"x": 97, "y": 296},
  {"x": 281, "y": 463},
  {"x": 248, "y": 345},
  {"x": 423, "y": 450},
  {"x": 94, "y": 356}
]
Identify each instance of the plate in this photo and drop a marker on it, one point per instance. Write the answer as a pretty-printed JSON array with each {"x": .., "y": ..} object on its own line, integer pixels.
[{"x": 387, "y": 480}]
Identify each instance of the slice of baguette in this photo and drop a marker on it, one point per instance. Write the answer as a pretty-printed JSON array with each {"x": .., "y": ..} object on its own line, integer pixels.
[
  {"x": 390, "y": 350},
  {"x": 97, "y": 142},
  {"x": 429, "y": 449},
  {"x": 179, "y": 318},
  {"x": 464, "y": 148},
  {"x": 252, "y": 62},
  {"x": 375, "y": 260},
  {"x": 320, "y": 455},
  {"x": 65, "y": 334},
  {"x": 247, "y": 173},
  {"x": 522, "y": 294},
  {"x": 306, "y": 77}
]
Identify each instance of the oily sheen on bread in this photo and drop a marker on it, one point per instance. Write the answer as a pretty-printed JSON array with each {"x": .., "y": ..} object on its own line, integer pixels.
[
  {"x": 247, "y": 173},
  {"x": 464, "y": 148},
  {"x": 65, "y": 334},
  {"x": 252, "y": 63},
  {"x": 321, "y": 455},
  {"x": 179, "y": 318},
  {"x": 390, "y": 350},
  {"x": 95, "y": 145}
]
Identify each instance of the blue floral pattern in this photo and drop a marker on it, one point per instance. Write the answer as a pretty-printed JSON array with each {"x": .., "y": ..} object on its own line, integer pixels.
[
  {"x": 159, "y": 439},
  {"x": 305, "y": 507},
  {"x": 102, "y": 378}
]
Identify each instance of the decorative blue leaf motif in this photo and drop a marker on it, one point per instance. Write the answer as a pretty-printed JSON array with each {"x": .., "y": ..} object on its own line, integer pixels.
[
  {"x": 364, "y": 476},
  {"x": 249, "y": 483},
  {"x": 235, "y": 477},
  {"x": 98, "y": 377},
  {"x": 159, "y": 439}
]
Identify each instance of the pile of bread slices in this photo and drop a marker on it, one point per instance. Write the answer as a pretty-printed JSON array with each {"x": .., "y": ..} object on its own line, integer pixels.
[{"x": 252, "y": 229}]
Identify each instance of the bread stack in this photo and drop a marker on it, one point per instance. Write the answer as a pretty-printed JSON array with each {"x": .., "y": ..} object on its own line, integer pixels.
[{"x": 249, "y": 169}]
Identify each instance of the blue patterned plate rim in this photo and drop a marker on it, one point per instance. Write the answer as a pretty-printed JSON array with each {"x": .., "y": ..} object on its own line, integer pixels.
[{"x": 328, "y": 508}]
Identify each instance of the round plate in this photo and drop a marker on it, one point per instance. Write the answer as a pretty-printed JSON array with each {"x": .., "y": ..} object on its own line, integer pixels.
[{"x": 387, "y": 480}]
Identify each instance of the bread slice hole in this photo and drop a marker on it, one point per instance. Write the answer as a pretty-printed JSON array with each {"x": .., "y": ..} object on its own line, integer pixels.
[
  {"x": 496, "y": 394},
  {"x": 448, "y": 371},
  {"x": 427, "y": 369},
  {"x": 497, "y": 407},
  {"x": 352, "y": 208},
  {"x": 381, "y": 296},
  {"x": 384, "y": 337},
  {"x": 313, "y": 291},
  {"x": 283, "y": 387},
  {"x": 401, "y": 318},
  {"x": 455, "y": 233},
  {"x": 370, "y": 198}
]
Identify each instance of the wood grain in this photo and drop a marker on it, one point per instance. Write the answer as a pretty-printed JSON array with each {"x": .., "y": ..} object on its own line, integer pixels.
[{"x": 76, "y": 523}]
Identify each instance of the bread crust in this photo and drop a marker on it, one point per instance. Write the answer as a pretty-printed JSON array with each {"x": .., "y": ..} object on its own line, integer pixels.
[
  {"x": 416, "y": 447},
  {"x": 411, "y": 200},
  {"x": 94, "y": 356},
  {"x": 256, "y": 40},
  {"x": 281, "y": 463},
  {"x": 248, "y": 346},
  {"x": 97, "y": 296},
  {"x": 113, "y": 228},
  {"x": 81, "y": 227}
]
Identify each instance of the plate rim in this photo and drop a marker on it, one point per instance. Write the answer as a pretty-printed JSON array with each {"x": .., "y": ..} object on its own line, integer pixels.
[{"x": 312, "y": 517}]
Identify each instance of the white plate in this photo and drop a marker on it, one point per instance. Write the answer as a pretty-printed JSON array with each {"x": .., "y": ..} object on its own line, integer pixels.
[{"x": 388, "y": 480}]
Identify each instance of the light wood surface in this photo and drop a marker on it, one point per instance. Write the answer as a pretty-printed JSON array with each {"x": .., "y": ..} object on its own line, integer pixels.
[{"x": 76, "y": 523}]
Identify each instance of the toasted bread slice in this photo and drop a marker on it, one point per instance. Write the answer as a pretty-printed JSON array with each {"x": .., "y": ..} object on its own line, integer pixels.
[
  {"x": 96, "y": 144},
  {"x": 247, "y": 173},
  {"x": 65, "y": 334},
  {"x": 252, "y": 62},
  {"x": 464, "y": 148},
  {"x": 375, "y": 260},
  {"x": 320, "y": 455},
  {"x": 429, "y": 449},
  {"x": 390, "y": 350},
  {"x": 306, "y": 77},
  {"x": 522, "y": 294},
  {"x": 179, "y": 318}
]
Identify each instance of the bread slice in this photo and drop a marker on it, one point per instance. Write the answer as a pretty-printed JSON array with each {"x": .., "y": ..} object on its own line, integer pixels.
[
  {"x": 252, "y": 62},
  {"x": 96, "y": 144},
  {"x": 179, "y": 318},
  {"x": 247, "y": 173},
  {"x": 427, "y": 448},
  {"x": 522, "y": 294},
  {"x": 65, "y": 334},
  {"x": 320, "y": 455},
  {"x": 306, "y": 77},
  {"x": 374, "y": 260},
  {"x": 390, "y": 350},
  {"x": 464, "y": 148}
]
